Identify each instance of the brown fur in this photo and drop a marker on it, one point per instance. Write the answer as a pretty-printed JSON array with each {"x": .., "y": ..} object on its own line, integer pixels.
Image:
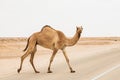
[{"x": 52, "y": 39}]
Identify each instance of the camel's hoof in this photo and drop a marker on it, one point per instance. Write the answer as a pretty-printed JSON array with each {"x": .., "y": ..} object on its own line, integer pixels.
[
  {"x": 72, "y": 71},
  {"x": 49, "y": 72},
  {"x": 37, "y": 72},
  {"x": 18, "y": 70}
]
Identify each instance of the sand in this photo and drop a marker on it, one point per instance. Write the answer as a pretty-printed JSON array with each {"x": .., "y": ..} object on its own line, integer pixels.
[{"x": 90, "y": 57}]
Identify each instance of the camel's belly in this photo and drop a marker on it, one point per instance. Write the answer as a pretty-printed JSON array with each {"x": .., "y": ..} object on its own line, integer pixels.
[{"x": 46, "y": 45}]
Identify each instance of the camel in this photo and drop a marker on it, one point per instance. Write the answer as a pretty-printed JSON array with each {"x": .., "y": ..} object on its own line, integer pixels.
[{"x": 51, "y": 39}]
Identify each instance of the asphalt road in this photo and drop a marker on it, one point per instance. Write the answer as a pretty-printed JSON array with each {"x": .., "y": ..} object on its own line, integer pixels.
[{"x": 90, "y": 63}]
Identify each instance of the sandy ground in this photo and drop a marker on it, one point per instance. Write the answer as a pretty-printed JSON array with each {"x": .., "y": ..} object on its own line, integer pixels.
[{"x": 91, "y": 58}]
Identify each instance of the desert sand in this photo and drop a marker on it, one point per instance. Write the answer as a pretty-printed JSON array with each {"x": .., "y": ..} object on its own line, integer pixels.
[{"x": 93, "y": 58}]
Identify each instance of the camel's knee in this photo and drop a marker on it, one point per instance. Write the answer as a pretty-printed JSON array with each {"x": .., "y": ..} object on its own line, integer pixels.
[
  {"x": 22, "y": 57},
  {"x": 32, "y": 57},
  {"x": 25, "y": 55},
  {"x": 51, "y": 60},
  {"x": 67, "y": 60},
  {"x": 31, "y": 60}
]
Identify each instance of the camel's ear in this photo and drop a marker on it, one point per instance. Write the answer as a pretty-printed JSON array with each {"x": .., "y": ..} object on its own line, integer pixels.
[
  {"x": 76, "y": 27},
  {"x": 81, "y": 27}
]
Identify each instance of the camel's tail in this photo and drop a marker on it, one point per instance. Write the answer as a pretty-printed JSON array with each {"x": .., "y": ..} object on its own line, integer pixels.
[{"x": 26, "y": 45}]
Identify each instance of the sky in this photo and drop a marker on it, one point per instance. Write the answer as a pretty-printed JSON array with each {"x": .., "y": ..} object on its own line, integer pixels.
[{"x": 21, "y": 18}]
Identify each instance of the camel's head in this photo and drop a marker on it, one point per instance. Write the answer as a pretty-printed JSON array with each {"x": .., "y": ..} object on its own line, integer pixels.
[{"x": 79, "y": 29}]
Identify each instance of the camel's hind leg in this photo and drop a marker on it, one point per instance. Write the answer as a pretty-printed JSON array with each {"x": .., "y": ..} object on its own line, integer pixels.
[
  {"x": 22, "y": 59},
  {"x": 31, "y": 61}
]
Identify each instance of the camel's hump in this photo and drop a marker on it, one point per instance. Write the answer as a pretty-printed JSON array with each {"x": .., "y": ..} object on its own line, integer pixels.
[{"x": 48, "y": 28}]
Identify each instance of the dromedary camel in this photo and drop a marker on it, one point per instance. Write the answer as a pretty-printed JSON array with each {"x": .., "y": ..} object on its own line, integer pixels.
[{"x": 52, "y": 39}]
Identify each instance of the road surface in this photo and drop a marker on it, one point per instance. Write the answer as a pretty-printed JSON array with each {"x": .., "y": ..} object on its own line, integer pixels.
[{"x": 97, "y": 62}]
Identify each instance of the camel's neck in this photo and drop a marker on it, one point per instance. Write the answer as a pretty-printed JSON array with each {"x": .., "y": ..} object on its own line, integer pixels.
[{"x": 73, "y": 41}]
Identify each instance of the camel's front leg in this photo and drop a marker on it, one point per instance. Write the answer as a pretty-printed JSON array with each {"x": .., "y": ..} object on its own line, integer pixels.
[
  {"x": 51, "y": 60},
  {"x": 72, "y": 71}
]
